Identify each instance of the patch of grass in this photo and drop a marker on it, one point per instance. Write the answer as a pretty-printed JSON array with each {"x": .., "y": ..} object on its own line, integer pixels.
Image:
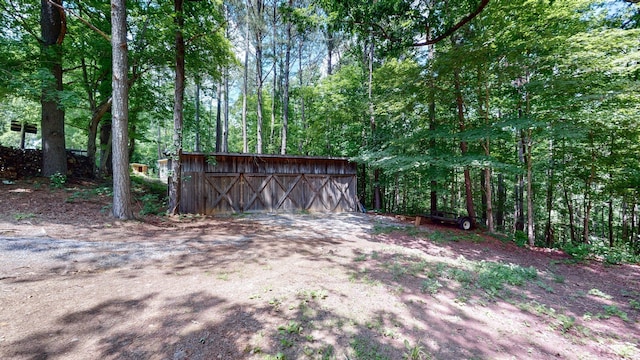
[
  {"x": 23, "y": 216},
  {"x": 544, "y": 286},
  {"x": 634, "y": 304},
  {"x": 566, "y": 322},
  {"x": 381, "y": 229},
  {"x": 291, "y": 328},
  {"x": 578, "y": 252},
  {"x": 612, "y": 310},
  {"x": 438, "y": 271},
  {"x": 326, "y": 352},
  {"x": 365, "y": 349},
  {"x": 385, "y": 229},
  {"x": 626, "y": 350},
  {"x": 397, "y": 270},
  {"x": 361, "y": 257},
  {"x": 599, "y": 293},
  {"x": 224, "y": 276},
  {"x": 442, "y": 237},
  {"x": 558, "y": 278},
  {"x": 418, "y": 267},
  {"x": 464, "y": 277},
  {"x": 493, "y": 276},
  {"x": 431, "y": 286}
]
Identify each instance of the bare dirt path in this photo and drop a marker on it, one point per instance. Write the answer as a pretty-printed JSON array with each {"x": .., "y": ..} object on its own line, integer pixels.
[{"x": 297, "y": 286}]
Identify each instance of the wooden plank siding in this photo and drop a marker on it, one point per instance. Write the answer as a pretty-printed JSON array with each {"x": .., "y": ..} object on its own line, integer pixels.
[{"x": 257, "y": 183}]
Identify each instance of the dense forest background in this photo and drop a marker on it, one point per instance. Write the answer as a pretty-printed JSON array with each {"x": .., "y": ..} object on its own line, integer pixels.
[{"x": 523, "y": 114}]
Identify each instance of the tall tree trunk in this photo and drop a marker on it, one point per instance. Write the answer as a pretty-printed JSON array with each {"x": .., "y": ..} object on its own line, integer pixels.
[
  {"x": 274, "y": 91},
  {"x": 530, "y": 219},
  {"x": 97, "y": 115},
  {"x": 178, "y": 102},
  {"x": 245, "y": 83},
  {"x": 259, "y": 79},
  {"x": 302, "y": 144},
  {"x": 502, "y": 199},
  {"x": 625, "y": 220},
  {"x": 331, "y": 44},
  {"x": 549, "y": 231},
  {"x": 218, "y": 146},
  {"x": 463, "y": 145},
  {"x": 285, "y": 100},
  {"x": 106, "y": 160},
  {"x": 571, "y": 212},
  {"x": 53, "y": 29},
  {"x": 588, "y": 200},
  {"x": 433, "y": 196},
  {"x": 225, "y": 126},
  {"x": 121, "y": 183},
  {"x": 567, "y": 198},
  {"x": 483, "y": 110},
  {"x": 377, "y": 193},
  {"x": 519, "y": 191},
  {"x": 197, "y": 101}
]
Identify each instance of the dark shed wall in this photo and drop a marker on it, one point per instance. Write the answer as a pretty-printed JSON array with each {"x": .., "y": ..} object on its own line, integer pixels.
[{"x": 254, "y": 183}]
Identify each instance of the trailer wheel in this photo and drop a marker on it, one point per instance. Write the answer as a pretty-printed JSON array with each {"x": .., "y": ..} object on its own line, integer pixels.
[{"x": 465, "y": 223}]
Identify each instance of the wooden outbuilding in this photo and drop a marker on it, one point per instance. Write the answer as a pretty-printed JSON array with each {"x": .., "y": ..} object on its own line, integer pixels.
[
  {"x": 223, "y": 183},
  {"x": 140, "y": 168}
]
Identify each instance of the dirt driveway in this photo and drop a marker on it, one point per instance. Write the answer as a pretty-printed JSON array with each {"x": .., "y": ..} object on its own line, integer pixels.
[{"x": 301, "y": 286}]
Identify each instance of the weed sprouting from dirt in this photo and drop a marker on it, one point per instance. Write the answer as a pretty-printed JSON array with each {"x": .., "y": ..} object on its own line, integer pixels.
[{"x": 415, "y": 352}]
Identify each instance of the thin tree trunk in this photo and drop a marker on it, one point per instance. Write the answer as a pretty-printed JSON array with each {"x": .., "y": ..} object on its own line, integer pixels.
[
  {"x": 377, "y": 193},
  {"x": 121, "y": 183},
  {"x": 96, "y": 117},
  {"x": 433, "y": 196},
  {"x": 302, "y": 144},
  {"x": 197, "y": 101},
  {"x": 463, "y": 146},
  {"x": 502, "y": 199},
  {"x": 259, "y": 79},
  {"x": 567, "y": 197},
  {"x": 287, "y": 65},
  {"x": 549, "y": 231},
  {"x": 330, "y": 42},
  {"x": 570, "y": 211},
  {"x": 53, "y": 29},
  {"x": 625, "y": 220},
  {"x": 487, "y": 198},
  {"x": 106, "y": 160},
  {"x": 588, "y": 200},
  {"x": 245, "y": 83},
  {"x": 178, "y": 102},
  {"x": 274, "y": 90},
  {"x": 530, "y": 219},
  {"x": 225, "y": 127},
  {"x": 218, "y": 146}
]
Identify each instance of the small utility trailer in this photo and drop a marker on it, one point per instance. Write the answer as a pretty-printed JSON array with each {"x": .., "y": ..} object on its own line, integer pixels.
[{"x": 463, "y": 222}]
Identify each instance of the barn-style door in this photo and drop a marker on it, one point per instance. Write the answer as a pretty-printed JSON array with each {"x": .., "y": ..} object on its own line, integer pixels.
[{"x": 249, "y": 192}]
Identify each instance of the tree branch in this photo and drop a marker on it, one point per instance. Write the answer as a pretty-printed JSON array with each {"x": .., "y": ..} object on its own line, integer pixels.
[
  {"x": 21, "y": 19},
  {"x": 457, "y": 26},
  {"x": 92, "y": 27}
]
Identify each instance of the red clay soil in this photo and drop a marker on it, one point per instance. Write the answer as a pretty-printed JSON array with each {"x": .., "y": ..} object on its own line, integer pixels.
[{"x": 77, "y": 284}]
